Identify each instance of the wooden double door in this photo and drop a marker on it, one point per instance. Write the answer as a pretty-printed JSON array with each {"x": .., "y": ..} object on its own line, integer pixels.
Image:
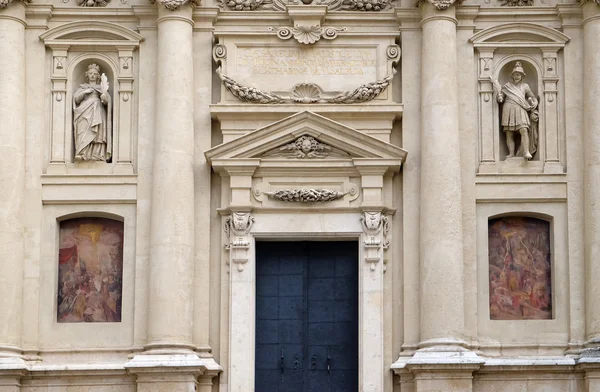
[{"x": 306, "y": 317}]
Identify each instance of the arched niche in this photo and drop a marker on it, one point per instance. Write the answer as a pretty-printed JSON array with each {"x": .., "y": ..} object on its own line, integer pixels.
[
  {"x": 538, "y": 48},
  {"x": 520, "y": 267},
  {"x": 73, "y": 47}
]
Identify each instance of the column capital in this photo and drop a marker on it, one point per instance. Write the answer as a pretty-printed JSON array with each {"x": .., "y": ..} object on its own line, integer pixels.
[
  {"x": 5, "y": 3},
  {"x": 442, "y": 5},
  {"x": 171, "y": 5},
  {"x": 582, "y": 2}
]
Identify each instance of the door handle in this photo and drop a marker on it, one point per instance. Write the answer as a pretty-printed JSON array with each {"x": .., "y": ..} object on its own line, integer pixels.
[
  {"x": 328, "y": 362},
  {"x": 313, "y": 364},
  {"x": 296, "y": 360},
  {"x": 282, "y": 362}
]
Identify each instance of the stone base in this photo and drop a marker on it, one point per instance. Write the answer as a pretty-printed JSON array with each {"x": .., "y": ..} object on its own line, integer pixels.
[
  {"x": 12, "y": 368},
  {"x": 173, "y": 373}
]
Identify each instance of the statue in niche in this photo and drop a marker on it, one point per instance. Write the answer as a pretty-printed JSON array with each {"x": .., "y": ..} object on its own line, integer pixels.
[
  {"x": 519, "y": 113},
  {"x": 92, "y": 117}
]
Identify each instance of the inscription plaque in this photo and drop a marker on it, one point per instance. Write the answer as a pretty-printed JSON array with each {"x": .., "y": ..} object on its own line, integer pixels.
[{"x": 280, "y": 68}]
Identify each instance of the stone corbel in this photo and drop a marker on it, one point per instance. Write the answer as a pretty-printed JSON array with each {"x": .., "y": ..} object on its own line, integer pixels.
[
  {"x": 376, "y": 228},
  {"x": 237, "y": 230}
]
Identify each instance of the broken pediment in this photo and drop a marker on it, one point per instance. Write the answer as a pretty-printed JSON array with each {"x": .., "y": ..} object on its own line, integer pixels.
[{"x": 302, "y": 141}]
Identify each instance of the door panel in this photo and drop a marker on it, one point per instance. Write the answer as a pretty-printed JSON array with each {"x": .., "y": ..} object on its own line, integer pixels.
[{"x": 306, "y": 317}]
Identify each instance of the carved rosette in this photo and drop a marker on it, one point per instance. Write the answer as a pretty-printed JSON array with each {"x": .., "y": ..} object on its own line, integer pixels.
[
  {"x": 375, "y": 227},
  {"x": 173, "y": 5},
  {"x": 237, "y": 229},
  {"x": 305, "y": 195}
]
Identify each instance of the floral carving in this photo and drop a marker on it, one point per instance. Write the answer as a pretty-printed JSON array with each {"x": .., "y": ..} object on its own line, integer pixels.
[
  {"x": 517, "y": 3},
  {"x": 365, "y": 5},
  {"x": 364, "y": 93},
  {"x": 306, "y": 147},
  {"x": 305, "y": 195},
  {"x": 281, "y": 5},
  {"x": 304, "y": 93},
  {"x": 93, "y": 3}
]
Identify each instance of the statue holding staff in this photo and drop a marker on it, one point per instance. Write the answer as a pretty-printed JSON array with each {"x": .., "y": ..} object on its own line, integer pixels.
[{"x": 519, "y": 113}]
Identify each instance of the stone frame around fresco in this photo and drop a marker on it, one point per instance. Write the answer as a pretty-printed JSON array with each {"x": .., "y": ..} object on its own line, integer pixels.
[
  {"x": 47, "y": 333},
  {"x": 528, "y": 337}
]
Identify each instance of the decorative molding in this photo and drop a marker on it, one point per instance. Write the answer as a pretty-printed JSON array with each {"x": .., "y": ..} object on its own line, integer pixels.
[
  {"x": 237, "y": 228},
  {"x": 173, "y": 5},
  {"x": 307, "y": 35},
  {"x": 305, "y": 195},
  {"x": 306, "y": 147},
  {"x": 281, "y": 5},
  {"x": 376, "y": 227},
  {"x": 366, "y": 92},
  {"x": 440, "y": 5},
  {"x": 5, "y": 3},
  {"x": 219, "y": 53}
]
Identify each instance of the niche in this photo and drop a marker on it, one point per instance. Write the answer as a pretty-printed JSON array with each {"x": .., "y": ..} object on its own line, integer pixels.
[
  {"x": 520, "y": 275},
  {"x": 90, "y": 270},
  {"x": 93, "y": 120}
]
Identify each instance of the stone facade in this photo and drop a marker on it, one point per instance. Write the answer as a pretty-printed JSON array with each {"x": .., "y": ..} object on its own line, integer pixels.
[{"x": 146, "y": 146}]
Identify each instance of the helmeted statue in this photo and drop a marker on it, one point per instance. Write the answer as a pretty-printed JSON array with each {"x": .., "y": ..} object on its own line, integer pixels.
[{"x": 519, "y": 113}]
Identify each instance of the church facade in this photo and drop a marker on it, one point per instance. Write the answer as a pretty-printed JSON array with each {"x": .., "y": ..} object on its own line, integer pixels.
[{"x": 295, "y": 196}]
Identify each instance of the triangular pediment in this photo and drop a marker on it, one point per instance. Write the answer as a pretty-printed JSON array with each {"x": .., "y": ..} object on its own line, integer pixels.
[{"x": 306, "y": 137}]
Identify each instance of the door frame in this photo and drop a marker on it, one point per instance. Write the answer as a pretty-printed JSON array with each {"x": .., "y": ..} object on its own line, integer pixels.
[{"x": 371, "y": 230}]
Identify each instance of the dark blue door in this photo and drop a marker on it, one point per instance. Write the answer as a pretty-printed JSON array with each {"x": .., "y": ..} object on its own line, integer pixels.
[{"x": 306, "y": 317}]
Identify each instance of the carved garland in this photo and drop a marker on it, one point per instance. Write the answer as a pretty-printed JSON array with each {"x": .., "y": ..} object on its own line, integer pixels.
[
  {"x": 305, "y": 195},
  {"x": 281, "y": 5},
  {"x": 366, "y": 92}
]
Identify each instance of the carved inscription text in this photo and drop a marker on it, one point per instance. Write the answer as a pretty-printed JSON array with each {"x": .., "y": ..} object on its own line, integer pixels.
[{"x": 307, "y": 61}]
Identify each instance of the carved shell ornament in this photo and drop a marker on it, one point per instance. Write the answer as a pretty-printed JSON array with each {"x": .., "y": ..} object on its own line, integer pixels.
[
  {"x": 306, "y": 93},
  {"x": 307, "y": 35}
]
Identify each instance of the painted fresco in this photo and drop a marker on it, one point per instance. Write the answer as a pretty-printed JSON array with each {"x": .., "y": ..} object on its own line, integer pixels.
[
  {"x": 90, "y": 270},
  {"x": 519, "y": 261}
]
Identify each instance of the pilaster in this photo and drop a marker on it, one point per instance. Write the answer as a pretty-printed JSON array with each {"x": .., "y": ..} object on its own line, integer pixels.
[
  {"x": 591, "y": 131},
  {"x": 12, "y": 178}
]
